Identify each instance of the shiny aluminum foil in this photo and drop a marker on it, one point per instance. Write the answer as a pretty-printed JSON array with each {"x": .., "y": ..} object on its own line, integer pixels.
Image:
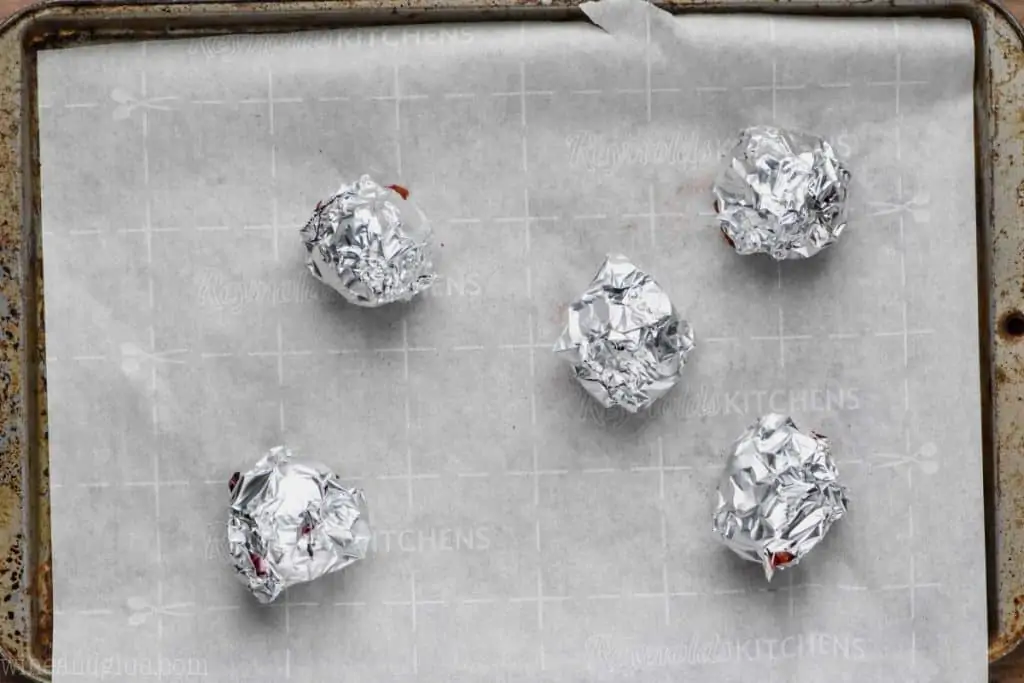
[
  {"x": 625, "y": 340},
  {"x": 779, "y": 494},
  {"x": 370, "y": 243},
  {"x": 292, "y": 522},
  {"x": 782, "y": 193}
]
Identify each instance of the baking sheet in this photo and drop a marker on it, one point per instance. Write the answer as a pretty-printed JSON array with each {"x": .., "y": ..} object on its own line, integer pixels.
[{"x": 523, "y": 534}]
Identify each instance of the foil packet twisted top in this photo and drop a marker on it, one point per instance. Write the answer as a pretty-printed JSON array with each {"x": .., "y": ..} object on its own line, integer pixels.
[
  {"x": 370, "y": 243},
  {"x": 624, "y": 338},
  {"x": 292, "y": 522},
  {"x": 779, "y": 494},
  {"x": 782, "y": 193}
]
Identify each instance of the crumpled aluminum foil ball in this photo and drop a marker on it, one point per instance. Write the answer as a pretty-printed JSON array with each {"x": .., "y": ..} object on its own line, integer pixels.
[
  {"x": 779, "y": 494},
  {"x": 782, "y": 193},
  {"x": 625, "y": 340},
  {"x": 370, "y": 243},
  {"x": 291, "y": 522}
]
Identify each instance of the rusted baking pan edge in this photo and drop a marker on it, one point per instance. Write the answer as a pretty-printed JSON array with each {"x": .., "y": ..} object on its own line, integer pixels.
[{"x": 25, "y": 586}]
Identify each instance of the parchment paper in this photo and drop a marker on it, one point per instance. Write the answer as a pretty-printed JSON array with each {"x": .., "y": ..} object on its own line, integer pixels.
[{"x": 522, "y": 533}]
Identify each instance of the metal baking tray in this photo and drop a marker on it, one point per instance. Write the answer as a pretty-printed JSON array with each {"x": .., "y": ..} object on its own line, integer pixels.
[{"x": 26, "y": 622}]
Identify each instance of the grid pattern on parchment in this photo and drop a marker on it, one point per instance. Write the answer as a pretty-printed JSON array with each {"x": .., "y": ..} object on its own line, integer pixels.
[{"x": 521, "y": 532}]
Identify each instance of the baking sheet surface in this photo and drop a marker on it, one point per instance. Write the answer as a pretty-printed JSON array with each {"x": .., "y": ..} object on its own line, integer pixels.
[{"x": 522, "y": 533}]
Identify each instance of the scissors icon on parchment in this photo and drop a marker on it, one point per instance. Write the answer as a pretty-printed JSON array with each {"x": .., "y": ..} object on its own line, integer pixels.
[
  {"x": 133, "y": 356},
  {"x": 142, "y": 610},
  {"x": 128, "y": 103},
  {"x": 925, "y": 457},
  {"x": 916, "y": 206}
]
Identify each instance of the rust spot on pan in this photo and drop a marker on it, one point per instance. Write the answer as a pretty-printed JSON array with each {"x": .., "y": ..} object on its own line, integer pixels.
[
  {"x": 44, "y": 614},
  {"x": 1011, "y": 326},
  {"x": 1012, "y": 632}
]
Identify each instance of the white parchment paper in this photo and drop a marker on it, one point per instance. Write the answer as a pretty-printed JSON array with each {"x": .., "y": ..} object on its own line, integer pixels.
[{"x": 522, "y": 533}]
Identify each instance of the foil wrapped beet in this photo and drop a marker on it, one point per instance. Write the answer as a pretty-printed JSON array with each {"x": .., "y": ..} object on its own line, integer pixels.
[
  {"x": 370, "y": 243},
  {"x": 624, "y": 339},
  {"x": 779, "y": 494},
  {"x": 292, "y": 522},
  {"x": 782, "y": 193}
]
